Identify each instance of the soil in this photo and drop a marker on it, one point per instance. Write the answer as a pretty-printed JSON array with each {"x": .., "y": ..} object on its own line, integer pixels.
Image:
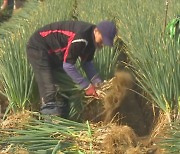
[{"x": 3, "y": 106}]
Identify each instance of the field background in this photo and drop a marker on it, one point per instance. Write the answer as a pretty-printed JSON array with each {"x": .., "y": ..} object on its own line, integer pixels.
[{"x": 153, "y": 57}]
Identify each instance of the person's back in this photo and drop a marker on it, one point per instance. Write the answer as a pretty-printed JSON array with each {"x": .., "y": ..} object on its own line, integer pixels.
[{"x": 56, "y": 34}]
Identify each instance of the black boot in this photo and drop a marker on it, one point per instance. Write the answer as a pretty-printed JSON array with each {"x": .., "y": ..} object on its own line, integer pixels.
[
  {"x": 55, "y": 108},
  {"x": 63, "y": 108}
]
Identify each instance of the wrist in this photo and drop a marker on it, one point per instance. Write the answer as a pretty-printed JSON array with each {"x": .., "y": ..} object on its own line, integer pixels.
[
  {"x": 96, "y": 79},
  {"x": 86, "y": 88},
  {"x": 84, "y": 84}
]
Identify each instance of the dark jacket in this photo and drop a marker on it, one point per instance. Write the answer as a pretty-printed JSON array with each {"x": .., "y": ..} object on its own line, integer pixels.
[{"x": 67, "y": 39}]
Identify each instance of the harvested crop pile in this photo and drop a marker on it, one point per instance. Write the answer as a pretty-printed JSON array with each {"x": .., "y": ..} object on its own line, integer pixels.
[
  {"x": 114, "y": 139},
  {"x": 121, "y": 85},
  {"x": 118, "y": 103}
]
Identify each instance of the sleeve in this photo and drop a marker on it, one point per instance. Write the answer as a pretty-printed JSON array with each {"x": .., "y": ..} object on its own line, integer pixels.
[
  {"x": 72, "y": 71},
  {"x": 90, "y": 57},
  {"x": 91, "y": 72},
  {"x": 76, "y": 48}
]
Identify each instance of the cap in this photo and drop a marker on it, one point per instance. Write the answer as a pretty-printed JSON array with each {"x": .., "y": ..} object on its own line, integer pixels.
[{"x": 108, "y": 31}]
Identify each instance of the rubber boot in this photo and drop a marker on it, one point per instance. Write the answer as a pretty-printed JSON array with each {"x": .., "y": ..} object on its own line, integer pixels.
[{"x": 55, "y": 108}]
